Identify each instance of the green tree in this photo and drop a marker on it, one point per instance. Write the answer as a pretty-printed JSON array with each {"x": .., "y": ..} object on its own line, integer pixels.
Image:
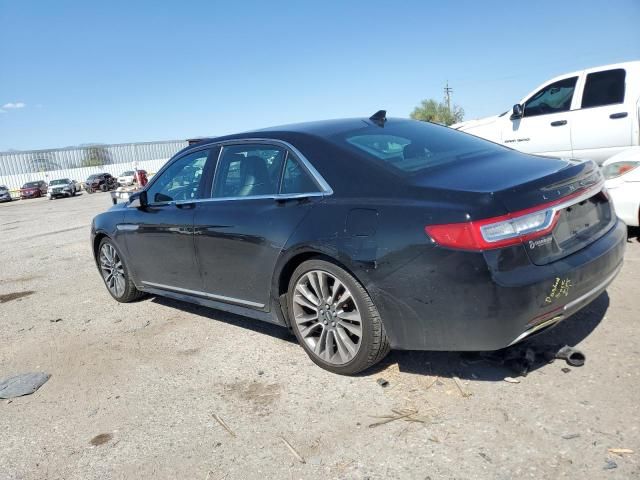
[
  {"x": 95, "y": 156},
  {"x": 437, "y": 112}
]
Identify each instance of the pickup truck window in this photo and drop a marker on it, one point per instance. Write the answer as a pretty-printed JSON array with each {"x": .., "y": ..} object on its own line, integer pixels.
[
  {"x": 553, "y": 98},
  {"x": 604, "y": 88}
]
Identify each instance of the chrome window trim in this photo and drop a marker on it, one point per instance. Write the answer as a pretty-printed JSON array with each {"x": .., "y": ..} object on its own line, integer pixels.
[{"x": 220, "y": 298}]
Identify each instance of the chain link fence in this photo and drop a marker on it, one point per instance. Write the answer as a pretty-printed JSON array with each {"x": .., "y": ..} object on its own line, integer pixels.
[{"x": 77, "y": 163}]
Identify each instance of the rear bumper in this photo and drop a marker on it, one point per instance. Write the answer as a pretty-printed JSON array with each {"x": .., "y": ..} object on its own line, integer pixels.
[{"x": 452, "y": 300}]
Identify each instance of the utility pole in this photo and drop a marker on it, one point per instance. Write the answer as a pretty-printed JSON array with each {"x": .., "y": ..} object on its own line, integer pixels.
[{"x": 447, "y": 95}]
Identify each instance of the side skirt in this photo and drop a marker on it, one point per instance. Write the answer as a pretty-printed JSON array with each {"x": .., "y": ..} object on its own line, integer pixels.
[{"x": 225, "y": 307}]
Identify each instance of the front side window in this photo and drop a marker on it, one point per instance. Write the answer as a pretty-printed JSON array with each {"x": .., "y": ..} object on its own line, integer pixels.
[
  {"x": 604, "y": 88},
  {"x": 295, "y": 178},
  {"x": 248, "y": 171},
  {"x": 180, "y": 181},
  {"x": 553, "y": 98}
]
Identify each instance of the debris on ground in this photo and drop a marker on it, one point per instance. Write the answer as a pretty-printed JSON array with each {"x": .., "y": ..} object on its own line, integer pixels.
[
  {"x": 55, "y": 320},
  {"x": 293, "y": 450},
  {"x": 570, "y": 436},
  {"x": 465, "y": 393},
  {"x": 573, "y": 356},
  {"x": 101, "y": 439},
  {"x": 609, "y": 465},
  {"x": 382, "y": 382},
  {"x": 24, "y": 384},
  {"x": 224, "y": 425},
  {"x": 620, "y": 451},
  {"x": 511, "y": 380},
  {"x": 565, "y": 370},
  {"x": 406, "y": 414}
]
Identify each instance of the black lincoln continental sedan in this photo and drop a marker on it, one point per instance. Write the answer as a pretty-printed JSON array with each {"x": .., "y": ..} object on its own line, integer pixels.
[{"x": 363, "y": 235}]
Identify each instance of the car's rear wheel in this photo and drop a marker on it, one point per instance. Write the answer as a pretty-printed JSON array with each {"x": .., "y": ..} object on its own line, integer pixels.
[
  {"x": 115, "y": 273},
  {"x": 334, "y": 318}
]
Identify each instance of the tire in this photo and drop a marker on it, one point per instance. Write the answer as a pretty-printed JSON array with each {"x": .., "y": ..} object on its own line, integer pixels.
[
  {"x": 353, "y": 333},
  {"x": 121, "y": 288}
]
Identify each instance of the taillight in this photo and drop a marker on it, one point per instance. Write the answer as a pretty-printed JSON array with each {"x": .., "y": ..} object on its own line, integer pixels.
[
  {"x": 618, "y": 168},
  {"x": 505, "y": 230}
]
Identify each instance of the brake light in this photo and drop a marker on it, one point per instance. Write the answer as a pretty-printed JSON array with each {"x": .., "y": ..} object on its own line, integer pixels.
[
  {"x": 618, "y": 168},
  {"x": 498, "y": 232}
]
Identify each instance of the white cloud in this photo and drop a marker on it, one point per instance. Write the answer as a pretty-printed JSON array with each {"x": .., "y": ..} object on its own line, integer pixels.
[{"x": 13, "y": 105}]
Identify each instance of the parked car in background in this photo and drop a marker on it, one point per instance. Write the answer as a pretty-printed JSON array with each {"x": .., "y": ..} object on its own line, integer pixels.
[
  {"x": 62, "y": 187},
  {"x": 100, "y": 182},
  {"x": 33, "y": 189},
  {"x": 622, "y": 174},
  {"x": 591, "y": 114},
  {"x": 129, "y": 177},
  {"x": 363, "y": 235},
  {"x": 5, "y": 196}
]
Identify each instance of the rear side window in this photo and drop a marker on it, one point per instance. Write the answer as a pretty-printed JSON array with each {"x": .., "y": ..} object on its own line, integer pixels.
[
  {"x": 409, "y": 147},
  {"x": 553, "y": 98},
  {"x": 295, "y": 178},
  {"x": 604, "y": 88},
  {"x": 248, "y": 171}
]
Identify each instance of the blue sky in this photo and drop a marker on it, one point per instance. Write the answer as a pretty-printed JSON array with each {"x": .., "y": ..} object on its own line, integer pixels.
[{"x": 75, "y": 72}]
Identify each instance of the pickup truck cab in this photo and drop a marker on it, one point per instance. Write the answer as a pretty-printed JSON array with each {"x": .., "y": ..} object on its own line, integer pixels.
[{"x": 589, "y": 114}]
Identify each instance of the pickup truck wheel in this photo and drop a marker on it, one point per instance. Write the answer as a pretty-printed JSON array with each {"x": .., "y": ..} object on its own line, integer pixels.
[{"x": 115, "y": 273}]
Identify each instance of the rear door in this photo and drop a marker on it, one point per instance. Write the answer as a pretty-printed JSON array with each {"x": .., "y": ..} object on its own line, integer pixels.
[
  {"x": 159, "y": 237},
  {"x": 603, "y": 126},
  {"x": 261, "y": 192},
  {"x": 545, "y": 126}
]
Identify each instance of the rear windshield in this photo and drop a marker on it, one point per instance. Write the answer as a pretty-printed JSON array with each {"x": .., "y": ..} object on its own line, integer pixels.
[
  {"x": 128, "y": 173},
  {"x": 62, "y": 181},
  {"x": 31, "y": 184},
  {"x": 410, "y": 147}
]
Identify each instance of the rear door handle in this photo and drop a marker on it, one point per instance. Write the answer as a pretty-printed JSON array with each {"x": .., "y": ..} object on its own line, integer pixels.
[
  {"x": 558, "y": 123},
  {"x": 618, "y": 115},
  {"x": 185, "y": 205}
]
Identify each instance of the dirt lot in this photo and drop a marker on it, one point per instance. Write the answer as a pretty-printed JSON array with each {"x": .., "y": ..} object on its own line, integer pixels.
[{"x": 148, "y": 377}]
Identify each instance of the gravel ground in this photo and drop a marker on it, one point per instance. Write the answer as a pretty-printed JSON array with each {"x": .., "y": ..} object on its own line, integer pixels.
[{"x": 134, "y": 388}]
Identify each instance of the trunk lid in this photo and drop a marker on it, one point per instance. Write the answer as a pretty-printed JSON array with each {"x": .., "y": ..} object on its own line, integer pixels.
[{"x": 518, "y": 182}]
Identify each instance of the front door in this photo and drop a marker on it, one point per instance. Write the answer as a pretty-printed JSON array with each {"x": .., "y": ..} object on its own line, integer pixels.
[
  {"x": 545, "y": 127},
  {"x": 159, "y": 237},
  {"x": 254, "y": 208}
]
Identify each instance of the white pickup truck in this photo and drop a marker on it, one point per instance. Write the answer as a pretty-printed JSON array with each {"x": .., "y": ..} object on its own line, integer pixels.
[{"x": 590, "y": 114}]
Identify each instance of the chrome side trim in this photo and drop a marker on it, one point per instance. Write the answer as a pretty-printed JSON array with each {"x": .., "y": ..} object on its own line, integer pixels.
[
  {"x": 197, "y": 293},
  {"x": 127, "y": 227},
  {"x": 536, "y": 328},
  {"x": 594, "y": 291}
]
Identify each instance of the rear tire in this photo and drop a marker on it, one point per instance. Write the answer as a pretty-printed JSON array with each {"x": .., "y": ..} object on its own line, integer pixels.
[
  {"x": 343, "y": 333},
  {"x": 115, "y": 273}
]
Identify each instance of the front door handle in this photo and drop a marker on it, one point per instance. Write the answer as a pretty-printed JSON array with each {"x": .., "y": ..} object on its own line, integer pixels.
[
  {"x": 618, "y": 115},
  {"x": 185, "y": 205},
  {"x": 558, "y": 123}
]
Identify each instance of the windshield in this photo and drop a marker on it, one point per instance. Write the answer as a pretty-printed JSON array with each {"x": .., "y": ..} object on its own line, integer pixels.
[
  {"x": 409, "y": 147},
  {"x": 93, "y": 177},
  {"x": 128, "y": 173},
  {"x": 62, "y": 181},
  {"x": 31, "y": 185}
]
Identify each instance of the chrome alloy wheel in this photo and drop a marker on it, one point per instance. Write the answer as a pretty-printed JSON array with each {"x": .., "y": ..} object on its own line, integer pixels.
[
  {"x": 112, "y": 270},
  {"x": 327, "y": 317}
]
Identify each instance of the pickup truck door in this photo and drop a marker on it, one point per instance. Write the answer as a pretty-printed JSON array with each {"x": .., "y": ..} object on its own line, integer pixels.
[
  {"x": 545, "y": 125},
  {"x": 603, "y": 125}
]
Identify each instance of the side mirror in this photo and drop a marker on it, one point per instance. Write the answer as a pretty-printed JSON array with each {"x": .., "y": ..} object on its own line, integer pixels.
[
  {"x": 138, "y": 200},
  {"x": 518, "y": 111}
]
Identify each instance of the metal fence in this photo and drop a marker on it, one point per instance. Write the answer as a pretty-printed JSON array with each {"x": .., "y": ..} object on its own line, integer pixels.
[{"x": 77, "y": 163}]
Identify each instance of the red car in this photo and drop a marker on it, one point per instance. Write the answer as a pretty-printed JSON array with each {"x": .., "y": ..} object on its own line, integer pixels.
[{"x": 33, "y": 189}]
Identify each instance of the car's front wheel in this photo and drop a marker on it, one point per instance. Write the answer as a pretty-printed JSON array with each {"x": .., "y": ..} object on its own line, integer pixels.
[
  {"x": 334, "y": 318},
  {"x": 115, "y": 273}
]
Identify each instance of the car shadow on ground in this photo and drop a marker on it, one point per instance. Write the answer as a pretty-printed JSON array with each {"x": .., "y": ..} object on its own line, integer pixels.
[
  {"x": 252, "y": 324},
  {"x": 633, "y": 234},
  {"x": 511, "y": 361},
  {"x": 482, "y": 366}
]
